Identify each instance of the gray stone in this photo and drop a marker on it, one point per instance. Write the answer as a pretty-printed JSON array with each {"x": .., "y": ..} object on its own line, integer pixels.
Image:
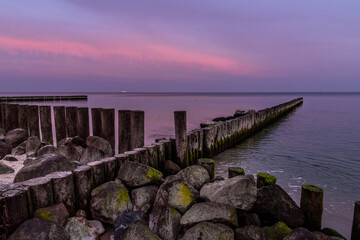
[
  {"x": 277, "y": 231},
  {"x": 195, "y": 176},
  {"x": 80, "y": 228},
  {"x": 10, "y": 158},
  {"x": 4, "y": 169},
  {"x": 125, "y": 220},
  {"x": 239, "y": 192},
  {"x": 16, "y": 136},
  {"x": 38, "y": 229},
  {"x": 138, "y": 231},
  {"x": 100, "y": 144},
  {"x": 91, "y": 155},
  {"x": 44, "y": 165},
  {"x": 209, "y": 231},
  {"x": 98, "y": 225},
  {"x": 143, "y": 198},
  {"x": 210, "y": 212},
  {"x": 171, "y": 168},
  {"x": 5, "y": 147},
  {"x": 109, "y": 201},
  {"x": 2, "y": 154},
  {"x": 250, "y": 232},
  {"x": 300, "y": 234},
  {"x": 165, "y": 221},
  {"x": 47, "y": 149},
  {"x": 32, "y": 145},
  {"x": 136, "y": 174},
  {"x": 19, "y": 150},
  {"x": 72, "y": 152},
  {"x": 56, "y": 214}
]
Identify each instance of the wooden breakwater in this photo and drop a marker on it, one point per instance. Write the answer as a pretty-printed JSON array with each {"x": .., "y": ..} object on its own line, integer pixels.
[
  {"x": 43, "y": 98},
  {"x": 18, "y": 201}
]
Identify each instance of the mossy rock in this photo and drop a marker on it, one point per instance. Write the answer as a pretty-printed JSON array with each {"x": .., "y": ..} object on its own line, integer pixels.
[
  {"x": 277, "y": 232},
  {"x": 180, "y": 197},
  {"x": 332, "y": 232},
  {"x": 265, "y": 179},
  {"x": 56, "y": 213},
  {"x": 137, "y": 174}
]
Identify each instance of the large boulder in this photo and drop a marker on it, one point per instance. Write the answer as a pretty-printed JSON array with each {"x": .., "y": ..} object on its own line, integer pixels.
[
  {"x": 125, "y": 220},
  {"x": 277, "y": 231},
  {"x": 44, "y": 165},
  {"x": 195, "y": 176},
  {"x": 19, "y": 150},
  {"x": 91, "y": 155},
  {"x": 300, "y": 234},
  {"x": 80, "y": 228},
  {"x": 72, "y": 148},
  {"x": 56, "y": 213},
  {"x": 239, "y": 192},
  {"x": 47, "y": 149},
  {"x": 16, "y": 136},
  {"x": 4, "y": 169},
  {"x": 171, "y": 168},
  {"x": 143, "y": 198},
  {"x": 273, "y": 204},
  {"x": 36, "y": 228},
  {"x": 165, "y": 221},
  {"x": 5, "y": 147},
  {"x": 100, "y": 144},
  {"x": 210, "y": 212},
  {"x": 33, "y": 143},
  {"x": 109, "y": 201},
  {"x": 138, "y": 231},
  {"x": 76, "y": 141},
  {"x": 250, "y": 232},
  {"x": 209, "y": 231},
  {"x": 135, "y": 174}
]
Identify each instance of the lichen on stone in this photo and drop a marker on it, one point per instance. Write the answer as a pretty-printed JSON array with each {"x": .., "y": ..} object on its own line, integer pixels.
[{"x": 153, "y": 174}]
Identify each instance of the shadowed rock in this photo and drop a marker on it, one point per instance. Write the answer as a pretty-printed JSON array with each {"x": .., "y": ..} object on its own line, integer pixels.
[
  {"x": 33, "y": 143},
  {"x": 209, "y": 231},
  {"x": 138, "y": 230},
  {"x": 100, "y": 144},
  {"x": 4, "y": 169},
  {"x": 56, "y": 213},
  {"x": 125, "y": 220},
  {"x": 47, "y": 149},
  {"x": 250, "y": 232},
  {"x": 144, "y": 197},
  {"x": 80, "y": 228},
  {"x": 165, "y": 221},
  {"x": 16, "y": 136},
  {"x": 300, "y": 234}
]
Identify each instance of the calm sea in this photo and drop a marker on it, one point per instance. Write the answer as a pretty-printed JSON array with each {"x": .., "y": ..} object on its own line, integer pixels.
[{"x": 318, "y": 143}]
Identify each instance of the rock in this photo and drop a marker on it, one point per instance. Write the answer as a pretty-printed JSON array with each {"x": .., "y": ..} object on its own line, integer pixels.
[
  {"x": 235, "y": 171},
  {"x": 143, "y": 198},
  {"x": 80, "y": 228},
  {"x": 10, "y": 158},
  {"x": 80, "y": 213},
  {"x": 76, "y": 141},
  {"x": 332, "y": 232},
  {"x": 72, "y": 152},
  {"x": 126, "y": 220},
  {"x": 250, "y": 232},
  {"x": 98, "y": 226},
  {"x": 208, "y": 164},
  {"x": 171, "y": 168},
  {"x": 165, "y": 221},
  {"x": 239, "y": 192},
  {"x": 300, "y": 234},
  {"x": 91, "y": 155},
  {"x": 2, "y": 154},
  {"x": 5, "y": 147},
  {"x": 19, "y": 150},
  {"x": 210, "y": 212},
  {"x": 44, "y": 165},
  {"x": 2, "y": 134},
  {"x": 207, "y": 124},
  {"x": 246, "y": 218},
  {"x": 56, "y": 214},
  {"x": 242, "y": 112},
  {"x": 4, "y": 169},
  {"x": 277, "y": 232},
  {"x": 320, "y": 235},
  {"x": 47, "y": 149},
  {"x": 138, "y": 231},
  {"x": 109, "y": 201},
  {"x": 273, "y": 204},
  {"x": 209, "y": 231},
  {"x": 30, "y": 160},
  {"x": 32, "y": 145},
  {"x": 100, "y": 144},
  {"x": 135, "y": 174},
  {"x": 264, "y": 179},
  {"x": 16, "y": 136},
  {"x": 38, "y": 229},
  {"x": 195, "y": 176}
]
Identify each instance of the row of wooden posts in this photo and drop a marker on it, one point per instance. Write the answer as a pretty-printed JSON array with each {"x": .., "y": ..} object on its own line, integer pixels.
[{"x": 74, "y": 121}]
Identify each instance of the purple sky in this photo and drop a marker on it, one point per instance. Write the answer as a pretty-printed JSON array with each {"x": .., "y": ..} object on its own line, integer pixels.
[{"x": 153, "y": 45}]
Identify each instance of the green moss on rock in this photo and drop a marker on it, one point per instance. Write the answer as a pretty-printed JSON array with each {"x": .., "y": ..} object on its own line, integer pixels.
[
  {"x": 312, "y": 188},
  {"x": 277, "y": 231},
  {"x": 264, "y": 179},
  {"x": 332, "y": 232},
  {"x": 153, "y": 174}
]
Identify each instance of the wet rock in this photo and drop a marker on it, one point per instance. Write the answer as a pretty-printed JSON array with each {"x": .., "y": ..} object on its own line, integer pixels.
[
  {"x": 165, "y": 221},
  {"x": 209, "y": 231},
  {"x": 10, "y": 158},
  {"x": 300, "y": 234},
  {"x": 143, "y": 198},
  {"x": 250, "y": 232},
  {"x": 126, "y": 220},
  {"x": 44, "y": 165},
  {"x": 38, "y": 229},
  {"x": 5, "y": 147},
  {"x": 56, "y": 214},
  {"x": 47, "y": 149},
  {"x": 273, "y": 204},
  {"x": 207, "y": 124},
  {"x": 195, "y": 176},
  {"x": 136, "y": 174},
  {"x": 109, "y": 201},
  {"x": 91, "y": 155},
  {"x": 171, "y": 168},
  {"x": 19, "y": 150},
  {"x": 16, "y": 136},
  {"x": 98, "y": 226},
  {"x": 246, "y": 218},
  {"x": 4, "y": 169},
  {"x": 32, "y": 145},
  {"x": 210, "y": 212},
  {"x": 277, "y": 232},
  {"x": 100, "y": 144},
  {"x": 138, "y": 231},
  {"x": 239, "y": 192},
  {"x": 80, "y": 228}
]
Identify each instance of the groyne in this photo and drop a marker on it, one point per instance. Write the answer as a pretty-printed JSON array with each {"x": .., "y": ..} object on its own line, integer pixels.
[{"x": 43, "y": 98}]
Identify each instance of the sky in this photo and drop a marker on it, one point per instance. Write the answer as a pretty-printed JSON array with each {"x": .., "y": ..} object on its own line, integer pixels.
[{"x": 179, "y": 46}]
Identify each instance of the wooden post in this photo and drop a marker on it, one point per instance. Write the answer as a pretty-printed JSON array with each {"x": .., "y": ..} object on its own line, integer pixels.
[
  {"x": 96, "y": 121},
  {"x": 46, "y": 125},
  {"x": 23, "y": 117},
  {"x": 11, "y": 111},
  {"x": 355, "y": 232},
  {"x": 167, "y": 148},
  {"x": 312, "y": 204},
  {"x": 60, "y": 123},
  {"x": 137, "y": 129},
  {"x": 41, "y": 192},
  {"x": 110, "y": 168},
  {"x": 99, "y": 172},
  {"x": 108, "y": 126},
  {"x": 124, "y": 130},
  {"x": 33, "y": 120},
  {"x": 134, "y": 156},
  {"x": 180, "y": 136},
  {"x": 209, "y": 165},
  {"x": 235, "y": 171},
  {"x": 84, "y": 184},
  {"x": 83, "y": 122},
  {"x": 3, "y": 118},
  {"x": 71, "y": 119},
  {"x": 264, "y": 179}
]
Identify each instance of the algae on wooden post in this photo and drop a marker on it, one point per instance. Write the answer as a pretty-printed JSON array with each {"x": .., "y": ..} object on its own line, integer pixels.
[
  {"x": 235, "y": 171},
  {"x": 355, "y": 233},
  {"x": 209, "y": 165},
  {"x": 264, "y": 179},
  {"x": 312, "y": 205}
]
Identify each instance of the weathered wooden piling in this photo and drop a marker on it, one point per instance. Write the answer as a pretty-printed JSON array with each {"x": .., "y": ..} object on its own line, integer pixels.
[
  {"x": 235, "y": 171},
  {"x": 41, "y": 192},
  {"x": 209, "y": 165},
  {"x": 71, "y": 119},
  {"x": 134, "y": 156},
  {"x": 11, "y": 115},
  {"x": 96, "y": 121},
  {"x": 160, "y": 148},
  {"x": 355, "y": 232},
  {"x": 83, "y": 122},
  {"x": 98, "y": 171},
  {"x": 124, "y": 128},
  {"x": 23, "y": 116},
  {"x": 33, "y": 120},
  {"x": 60, "y": 123},
  {"x": 110, "y": 168},
  {"x": 152, "y": 155},
  {"x": 265, "y": 179},
  {"x": 120, "y": 159},
  {"x": 312, "y": 205},
  {"x": 167, "y": 148},
  {"x": 180, "y": 136},
  {"x": 3, "y": 119},
  {"x": 83, "y": 183},
  {"x": 46, "y": 124},
  {"x": 137, "y": 127},
  {"x": 108, "y": 126}
]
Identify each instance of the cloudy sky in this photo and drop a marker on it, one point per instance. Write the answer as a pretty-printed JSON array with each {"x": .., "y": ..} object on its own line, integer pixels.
[{"x": 159, "y": 45}]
